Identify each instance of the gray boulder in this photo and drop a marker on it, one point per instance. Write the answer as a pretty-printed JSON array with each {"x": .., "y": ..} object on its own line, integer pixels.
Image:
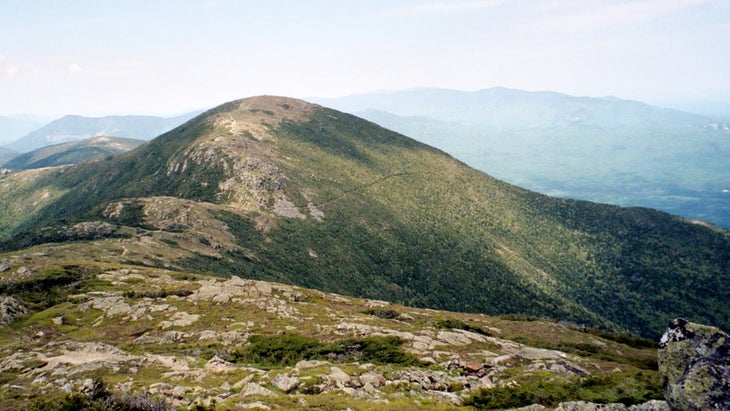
[
  {"x": 533, "y": 407},
  {"x": 653, "y": 405},
  {"x": 286, "y": 383},
  {"x": 589, "y": 406},
  {"x": 694, "y": 364},
  {"x": 10, "y": 309}
]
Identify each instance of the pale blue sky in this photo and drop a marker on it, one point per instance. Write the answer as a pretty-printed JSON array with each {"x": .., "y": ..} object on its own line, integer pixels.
[{"x": 165, "y": 57}]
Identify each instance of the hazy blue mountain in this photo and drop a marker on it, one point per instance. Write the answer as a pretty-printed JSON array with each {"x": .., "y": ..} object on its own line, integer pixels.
[
  {"x": 511, "y": 109},
  {"x": 599, "y": 149},
  {"x": 6, "y": 154},
  {"x": 72, "y": 152},
  {"x": 71, "y": 127},
  {"x": 15, "y": 126},
  {"x": 715, "y": 109}
]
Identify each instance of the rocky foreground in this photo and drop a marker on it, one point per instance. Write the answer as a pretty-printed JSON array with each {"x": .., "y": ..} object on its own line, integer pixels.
[
  {"x": 155, "y": 339},
  {"x": 182, "y": 340}
]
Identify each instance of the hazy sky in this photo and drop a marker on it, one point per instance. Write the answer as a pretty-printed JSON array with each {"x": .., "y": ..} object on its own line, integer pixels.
[{"x": 164, "y": 57}]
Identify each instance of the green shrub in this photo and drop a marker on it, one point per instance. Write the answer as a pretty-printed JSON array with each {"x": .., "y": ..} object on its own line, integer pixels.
[
  {"x": 519, "y": 317},
  {"x": 170, "y": 242},
  {"x": 379, "y": 350},
  {"x": 131, "y": 215},
  {"x": 460, "y": 325},
  {"x": 630, "y": 340},
  {"x": 624, "y": 388},
  {"x": 384, "y": 313},
  {"x": 537, "y": 392},
  {"x": 98, "y": 398},
  {"x": 162, "y": 293},
  {"x": 288, "y": 349},
  {"x": 280, "y": 350},
  {"x": 6, "y": 377},
  {"x": 44, "y": 290}
]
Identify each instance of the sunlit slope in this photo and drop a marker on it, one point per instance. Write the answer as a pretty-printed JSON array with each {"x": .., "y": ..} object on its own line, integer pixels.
[
  {"x": 73, "y": 152},
  {"x": 319, "y": 198}
]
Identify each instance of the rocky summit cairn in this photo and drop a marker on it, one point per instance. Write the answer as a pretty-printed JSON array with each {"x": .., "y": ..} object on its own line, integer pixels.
[{"x": 694, "y": 363}]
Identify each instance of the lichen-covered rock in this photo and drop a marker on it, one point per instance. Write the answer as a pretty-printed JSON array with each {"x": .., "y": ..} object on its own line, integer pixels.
[
  {"x": 694, "y": 364},
  {"x": 533, "y": 407},
  {"x": 589, "y": 406},
  {"x": 4, "y": 265},
  {"x": 10, "y": 309},
  {"x": 216, "y": 364},
  {"x": 255, "y": 390},
  {"x": 285, "y": 382},
  {"x": 653, "y": 405},
  {"x": 373, "y": 378},
  {"x": 338, "y": 378}
]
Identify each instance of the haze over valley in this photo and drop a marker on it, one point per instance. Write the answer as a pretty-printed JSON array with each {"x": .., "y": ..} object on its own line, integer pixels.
[{"x": 598, "y": 149}]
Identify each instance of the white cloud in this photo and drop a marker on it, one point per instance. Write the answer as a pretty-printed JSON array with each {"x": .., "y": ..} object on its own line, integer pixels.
[
  {"x": 74, "y": 68},
  {"x": 11, "y": 70},
  {"x": 449, "y": 6}
]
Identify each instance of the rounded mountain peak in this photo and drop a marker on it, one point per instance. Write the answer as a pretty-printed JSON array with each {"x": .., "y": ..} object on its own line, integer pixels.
[{"x": 271, "y": 108}]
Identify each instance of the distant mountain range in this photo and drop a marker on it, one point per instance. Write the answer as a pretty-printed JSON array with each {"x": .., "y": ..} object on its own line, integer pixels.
[
  {"x": 510, "y": 109},
  {"x": 72, "y": 152},
  {"x": 278, "y": 189},
  {"x": 6, "y": 154},
  {"x": 599, "y": 149},
  {"x": 72, "y": 127},
  {"x": 13, "y": 127}
]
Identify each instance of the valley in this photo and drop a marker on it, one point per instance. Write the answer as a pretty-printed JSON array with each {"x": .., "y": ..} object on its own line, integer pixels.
[{"x": 603, "y": 150}]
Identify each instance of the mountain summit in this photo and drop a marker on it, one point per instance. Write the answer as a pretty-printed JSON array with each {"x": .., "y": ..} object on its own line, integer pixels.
[{"x": 273, "y": 188}]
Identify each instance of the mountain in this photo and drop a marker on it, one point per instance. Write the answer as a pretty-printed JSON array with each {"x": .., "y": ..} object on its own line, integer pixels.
[
  {"x": 6, "y": 154},
  {"x": 715, "y": 109},
  {"x": 277, "y": 189},
  {"x": 511, "y": 109},
  {"x": 73, "y": 152},
  {"x": 599, "y": 149},
  {"x": 16, "y": 126},
  {"x": 71, "y": 127}
]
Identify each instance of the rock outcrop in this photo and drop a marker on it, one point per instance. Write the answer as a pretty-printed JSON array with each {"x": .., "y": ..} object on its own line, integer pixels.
[
  {"x": 190, "y": 340},
  {"x": 653, "y": 405},
  {"x": 10, "y": 309},
  {"x": 694, "y": 363}
]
